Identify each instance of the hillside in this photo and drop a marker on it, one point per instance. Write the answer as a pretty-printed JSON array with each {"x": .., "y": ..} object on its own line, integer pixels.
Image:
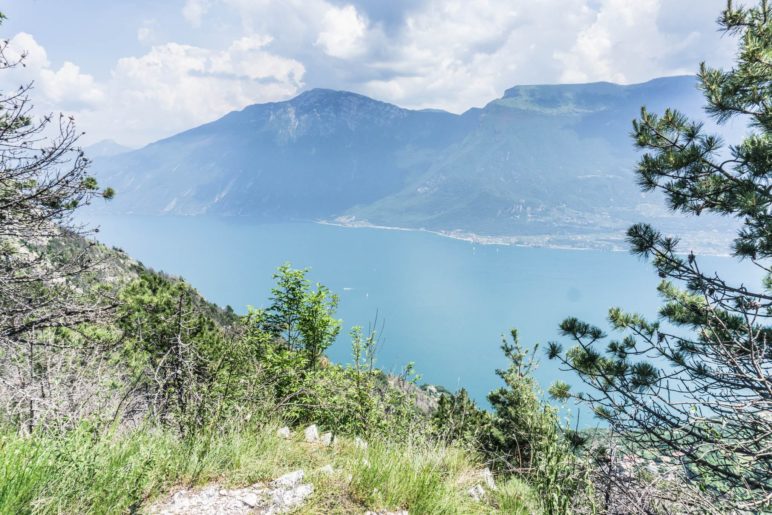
[{"x": 539, "y": 164}]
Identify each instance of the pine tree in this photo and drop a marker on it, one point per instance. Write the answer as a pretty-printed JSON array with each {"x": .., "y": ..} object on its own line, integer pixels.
[
  {"x": 697, "y": 384},
  {"x": 522, "y": 425}
]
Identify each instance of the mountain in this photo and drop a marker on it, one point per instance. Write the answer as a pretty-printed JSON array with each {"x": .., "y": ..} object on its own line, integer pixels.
[
  {"x": 540, "y": 163},
  {"x": 540, "y": 160},
  {"x": 105, "y": 148},
  {"x": 312, "y": 157}
]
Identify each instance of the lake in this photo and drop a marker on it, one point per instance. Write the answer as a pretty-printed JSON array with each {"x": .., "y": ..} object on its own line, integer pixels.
[{"x": 444, "y": 304}]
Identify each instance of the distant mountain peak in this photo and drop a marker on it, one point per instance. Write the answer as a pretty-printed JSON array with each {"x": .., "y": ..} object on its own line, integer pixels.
[
  {"x": 322, "y": 93},
  {"x": 335, "y": 99},
  {"x": 603, "y": 86},
  {"x": 593, "y": 96},
  {"x": 105, "y": 148}
]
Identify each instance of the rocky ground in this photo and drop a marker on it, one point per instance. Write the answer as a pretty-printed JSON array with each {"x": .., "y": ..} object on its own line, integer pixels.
[
  {"x": 279, "y": 496},
  {"x": 286, "y": 494}
]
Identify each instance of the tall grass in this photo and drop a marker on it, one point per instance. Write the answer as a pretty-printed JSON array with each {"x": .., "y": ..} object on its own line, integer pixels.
[
  {"x": 419, "y": 477},
  {"x": 84, "y": 471}
]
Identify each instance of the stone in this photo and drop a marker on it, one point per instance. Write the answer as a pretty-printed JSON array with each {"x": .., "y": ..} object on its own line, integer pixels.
[
  {"x": 311, "y": 434},
  {"x": 359, "y": 443},
  {"x": 288, "y": 480},
  {"x": 326, "y": 439},
  {"x": 327, "y": 470},
  {"x": 251, "y": 499},
  {"x": 477, "y": 493},
  {"x": 282, "y": 495},
  {"x": 284, "y": 432},
  {"x": 286, "y": 500},
  {"x": 487, "y": 477}
]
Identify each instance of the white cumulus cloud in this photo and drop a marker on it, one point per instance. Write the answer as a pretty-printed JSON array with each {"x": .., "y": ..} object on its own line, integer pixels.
[
  {"x": 343, "y": 32},
  {"x": 62, "y": 88},
  {"x": 170, "y": 88},
  {"x": 179, "y": 86},
  {"x": 621, "y": 44}
]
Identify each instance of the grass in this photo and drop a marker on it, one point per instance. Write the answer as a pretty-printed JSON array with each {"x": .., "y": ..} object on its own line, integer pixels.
[
  {"x": 85, "y": 472},
  {"x": 419, "y": 477}
]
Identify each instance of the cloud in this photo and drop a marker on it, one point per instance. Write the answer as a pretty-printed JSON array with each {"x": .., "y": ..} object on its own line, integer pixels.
[
  {"x": 460, "y": 54},
  {"x": 65, "y": 88},
  {"x": 179, "y": 86},
  {"x": 194, "y": 11},
  {"x": 343, "y": 32},
  {"x": 170, "y": 88},
  {"x": 604, "y": 49},
  {"x": 147, "y": 32},
  {"x": 454, "y": 55}
]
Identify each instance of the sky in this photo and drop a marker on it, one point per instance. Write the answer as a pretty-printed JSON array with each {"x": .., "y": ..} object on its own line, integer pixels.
[{"x": 136, "y": 71}]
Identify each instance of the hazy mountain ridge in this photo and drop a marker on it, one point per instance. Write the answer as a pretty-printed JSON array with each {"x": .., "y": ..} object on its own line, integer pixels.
[
  {"x": 106, "y": 148},
  {"x": 542, "y": 161},
  {"x": 311, "y": 157}
]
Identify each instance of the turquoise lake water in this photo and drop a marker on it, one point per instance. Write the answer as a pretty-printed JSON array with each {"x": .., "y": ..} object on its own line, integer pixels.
[{"x": 443, "y": 303}]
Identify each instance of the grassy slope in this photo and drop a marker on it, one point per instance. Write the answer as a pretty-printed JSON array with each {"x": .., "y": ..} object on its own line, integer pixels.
[{"x": 125, "y": 472}]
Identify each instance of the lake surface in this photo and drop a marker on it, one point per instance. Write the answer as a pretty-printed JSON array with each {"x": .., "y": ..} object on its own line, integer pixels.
[{"x": 444, "y": 304}]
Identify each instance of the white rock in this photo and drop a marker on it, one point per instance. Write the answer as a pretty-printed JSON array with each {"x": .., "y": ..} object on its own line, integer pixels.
[
  {"x": 288, "y": 480},
  {"x": 312, "y": 434},
  {"x": 285, "y": 500},
  {"x": 487, "y": 477},
  {"x": 251, "y": 499},
  {"x": 327, "y": 438},
  {"x": 359, "y": 443},
  {"x": 327, "y": 469},
  {"x": 284, "y": 432},
  {"x": 283, "y": 495},
  {"x": 477, "y": 493}
]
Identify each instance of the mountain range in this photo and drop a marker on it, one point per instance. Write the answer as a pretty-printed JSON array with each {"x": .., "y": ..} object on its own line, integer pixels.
[{"x": 551, "y": 164}]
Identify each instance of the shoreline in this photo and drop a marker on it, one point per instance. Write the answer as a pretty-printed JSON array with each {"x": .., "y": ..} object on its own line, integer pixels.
[
  {"x": 600, "y": 241},
  {"x": 501, "y": 241},
  {"x": 606, "y": 245}
]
